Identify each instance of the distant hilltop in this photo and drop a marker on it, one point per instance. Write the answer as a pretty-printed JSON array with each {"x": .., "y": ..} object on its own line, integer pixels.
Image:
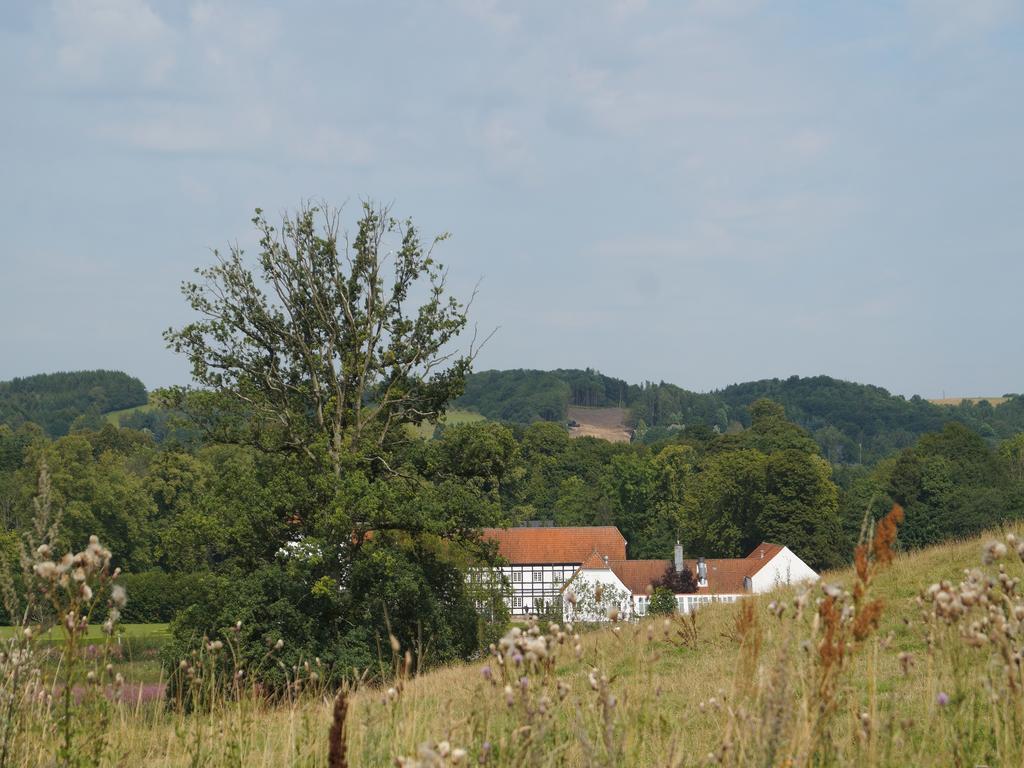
[
  {"x": 971, "y": 400},
  {"x": 55, "y": 401},
  {"x": 851, "y": 422}
]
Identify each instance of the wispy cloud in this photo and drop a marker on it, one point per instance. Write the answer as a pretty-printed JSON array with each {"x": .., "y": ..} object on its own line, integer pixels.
[{"x": 102, "y": 39}]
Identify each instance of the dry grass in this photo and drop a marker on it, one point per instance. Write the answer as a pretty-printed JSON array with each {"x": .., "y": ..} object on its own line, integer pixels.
[
  {"x": 606, "y": 423},
  {"x": 781, "y": 679},
  {"x": 954, "y": 401}
]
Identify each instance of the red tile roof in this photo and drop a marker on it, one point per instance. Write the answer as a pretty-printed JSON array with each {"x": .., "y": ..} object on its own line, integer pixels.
[
  {"x": 762, "y": 555},
  {"x": 725, "y": 575},
  {"x": 638, "y": 575},
  {"x": 595, "y": 562},
  {"x": 530, "y": 546}
]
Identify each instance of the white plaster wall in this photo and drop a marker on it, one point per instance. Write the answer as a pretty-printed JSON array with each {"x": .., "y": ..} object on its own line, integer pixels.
[
  {"x": 784, "y": 568},
  {"x": 593, "y": 577}
]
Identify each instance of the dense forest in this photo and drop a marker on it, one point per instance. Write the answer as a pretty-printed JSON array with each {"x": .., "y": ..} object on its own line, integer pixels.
[
  {"x": 220, "y": 510},
  {"x": 54, "y": 401},
  {"x": 852, "y": 423}
]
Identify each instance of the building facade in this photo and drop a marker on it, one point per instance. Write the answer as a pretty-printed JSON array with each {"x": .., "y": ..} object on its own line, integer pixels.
[
  {"x": 544, "y": 564},
  {"x": 540, "y": 561}
]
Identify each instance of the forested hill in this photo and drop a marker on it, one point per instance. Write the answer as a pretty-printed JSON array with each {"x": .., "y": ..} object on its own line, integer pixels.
[
  {"x": 851, "y": 422},
  {"x": 55, "y": 400}
]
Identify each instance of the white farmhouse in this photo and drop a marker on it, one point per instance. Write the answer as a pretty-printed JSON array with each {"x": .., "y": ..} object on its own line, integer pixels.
[
  {"x": 722, "y": 580},
  {"x": 540, "y": 560},
  {"x": 544, "y": 562}
]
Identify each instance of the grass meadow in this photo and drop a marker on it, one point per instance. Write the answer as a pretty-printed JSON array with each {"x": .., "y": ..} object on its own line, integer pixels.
[
  {"x": 916, "y": 661},
  {"x": 452, "y": 416}
]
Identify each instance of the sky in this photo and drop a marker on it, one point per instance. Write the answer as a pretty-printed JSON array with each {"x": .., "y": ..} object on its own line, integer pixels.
[{"x": 694, "y": 192}]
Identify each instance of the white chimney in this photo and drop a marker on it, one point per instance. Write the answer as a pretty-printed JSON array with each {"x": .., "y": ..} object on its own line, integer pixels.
[{"x": 679, "y": 557}]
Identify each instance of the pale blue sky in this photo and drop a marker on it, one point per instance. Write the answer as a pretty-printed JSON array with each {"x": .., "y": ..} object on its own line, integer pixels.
[{"x": 702, "y": 192}]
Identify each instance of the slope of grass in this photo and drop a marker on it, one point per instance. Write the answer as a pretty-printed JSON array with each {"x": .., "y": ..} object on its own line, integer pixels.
[
  {"x": 154, "y": 632},
  {"x": 954, "y": 401},
  {"x": 114, "y": 417},
  {"x": 759, "y": 682},
  {"x": 453, "y": 416},
  {"x": 682, "y": 701}
]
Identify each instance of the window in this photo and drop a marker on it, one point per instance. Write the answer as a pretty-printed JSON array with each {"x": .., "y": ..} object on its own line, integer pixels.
[
  {"x": 517, "y": 577},
  {"x": 538, "y": 575},
  {"x": 517, "y": 602}
]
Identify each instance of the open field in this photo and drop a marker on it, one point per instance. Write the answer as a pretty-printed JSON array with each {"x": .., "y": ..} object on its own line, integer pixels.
[
  {"x": 453, "y": 416},
  {"x": 974, "y": 400},
  {"x": 605, "y": 423},
  {"x": 114, "y": 417},
  {"x": 781, "y": 679},
  {"x": 155, "y": 632}
]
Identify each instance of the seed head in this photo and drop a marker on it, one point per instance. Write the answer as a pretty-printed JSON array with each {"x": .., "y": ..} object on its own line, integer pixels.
[
  {"x": 118, "y": 596},
  {"x": 46, "y": 569}
]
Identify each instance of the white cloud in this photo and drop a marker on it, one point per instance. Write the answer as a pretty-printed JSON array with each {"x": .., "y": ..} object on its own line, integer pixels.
[
  {"x": 328, "y": 144},
  {"x": 951, "y": 20},
  {"x": 490, "y": 12},
  {"x": 101, "y": 40},
  {"x": 809, "y": 144},
  {"x": 506, "y": 138}
]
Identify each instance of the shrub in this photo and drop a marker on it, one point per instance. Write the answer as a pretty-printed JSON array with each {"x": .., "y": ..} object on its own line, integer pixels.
[
  {"x": 157, "y": 597},
  {"x": 663, "y": 602}
]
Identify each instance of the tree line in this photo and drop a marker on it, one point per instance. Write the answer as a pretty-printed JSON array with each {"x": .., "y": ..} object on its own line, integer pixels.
[
  {"x": 288, "y": 490},
  {"x": 852, "y": 423},
  {"x": 54, "y": 401}
]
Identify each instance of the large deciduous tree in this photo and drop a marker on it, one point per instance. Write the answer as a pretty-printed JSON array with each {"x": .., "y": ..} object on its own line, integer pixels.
[
  {"x": 330, "y": 344},
  {"x": 323, "y": 350}
]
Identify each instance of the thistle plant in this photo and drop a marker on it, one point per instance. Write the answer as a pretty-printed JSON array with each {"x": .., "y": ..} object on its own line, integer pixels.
[
  {"x": 73, "y": 587},
  {"x": 975, "y": 640},
  {"x": 66, "y": 592}
]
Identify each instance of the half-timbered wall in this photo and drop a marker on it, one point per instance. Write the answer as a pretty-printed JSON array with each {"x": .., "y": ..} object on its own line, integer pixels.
[{"x": 532, "y": 588}]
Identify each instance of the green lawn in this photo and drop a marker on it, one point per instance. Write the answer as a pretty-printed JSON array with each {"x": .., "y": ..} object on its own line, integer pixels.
[
  {"x": 114, "y": 417},
  {"x": 150, "y": 632}
]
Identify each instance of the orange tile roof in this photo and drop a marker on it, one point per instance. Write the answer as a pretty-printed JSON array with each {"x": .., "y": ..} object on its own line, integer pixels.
[
  {"x": 529, "y": 546},
  {"x": 638, "y": 575},
  {"x": 595, "y": 562},
  {"x": 762, "y": 555},
  {"x": 725, "y": 575}
]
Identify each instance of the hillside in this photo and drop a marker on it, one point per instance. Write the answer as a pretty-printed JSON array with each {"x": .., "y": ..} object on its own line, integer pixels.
[
  {"x": 735, "y": 685},
  {"x": 55, "y": 400},
  {"x": 609, "y": 424},
  {"x": 995, "y": 401},
  {"x": 851, "y": 422}
]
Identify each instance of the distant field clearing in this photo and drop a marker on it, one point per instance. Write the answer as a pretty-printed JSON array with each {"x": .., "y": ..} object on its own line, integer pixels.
[
  {"x": 972, "y": 400},
  {"x": 453, "y": 416},
  {"x": 114, "y": 417},
  {"x": 606, "y": 423}
]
